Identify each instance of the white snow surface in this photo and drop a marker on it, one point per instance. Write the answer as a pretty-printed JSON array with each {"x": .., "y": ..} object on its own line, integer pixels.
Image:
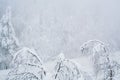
[
  {"x": 3, "y": 74},
  {"x": 84, "y": 63}
]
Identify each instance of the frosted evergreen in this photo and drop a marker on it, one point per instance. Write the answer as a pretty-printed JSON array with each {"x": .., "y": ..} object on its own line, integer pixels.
[{"x": 8, "y": 41}]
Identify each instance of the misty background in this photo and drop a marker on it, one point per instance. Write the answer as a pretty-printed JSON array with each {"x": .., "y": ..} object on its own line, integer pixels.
[{"x": 62, "y": 26}]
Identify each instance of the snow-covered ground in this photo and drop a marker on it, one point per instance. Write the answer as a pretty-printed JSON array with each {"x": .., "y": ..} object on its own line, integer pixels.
[
  {"x": 3, "y": 74},
  {"x": 84, "y": 63}
]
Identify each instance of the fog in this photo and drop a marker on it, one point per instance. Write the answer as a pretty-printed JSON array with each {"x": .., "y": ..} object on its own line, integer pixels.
[{"x": 55, "y": 26}]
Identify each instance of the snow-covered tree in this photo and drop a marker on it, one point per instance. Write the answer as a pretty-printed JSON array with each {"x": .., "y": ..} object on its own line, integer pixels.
[
  {"x": 27, "y": 66},
  {"x": 66, "y": 70},
  {"x": 8, "y": 41},
  {"x": 100, "y": 56}
]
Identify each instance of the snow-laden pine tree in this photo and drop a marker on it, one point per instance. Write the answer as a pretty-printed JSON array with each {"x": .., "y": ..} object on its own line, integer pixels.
[
  {"x": 8, "y": 41},
  {"x": 27, "y": 66},
  {"x": 66, "y": 70}
]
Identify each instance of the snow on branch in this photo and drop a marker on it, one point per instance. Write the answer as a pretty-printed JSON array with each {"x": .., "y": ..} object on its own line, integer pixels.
[{"x": 26, "y": 56}]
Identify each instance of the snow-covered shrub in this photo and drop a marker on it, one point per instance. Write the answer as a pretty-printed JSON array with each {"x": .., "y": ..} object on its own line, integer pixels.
[
  {"x": 8, "y": 41},
  {"x": 26, "y": 56},
  {"x": 66, "y": 70}
]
